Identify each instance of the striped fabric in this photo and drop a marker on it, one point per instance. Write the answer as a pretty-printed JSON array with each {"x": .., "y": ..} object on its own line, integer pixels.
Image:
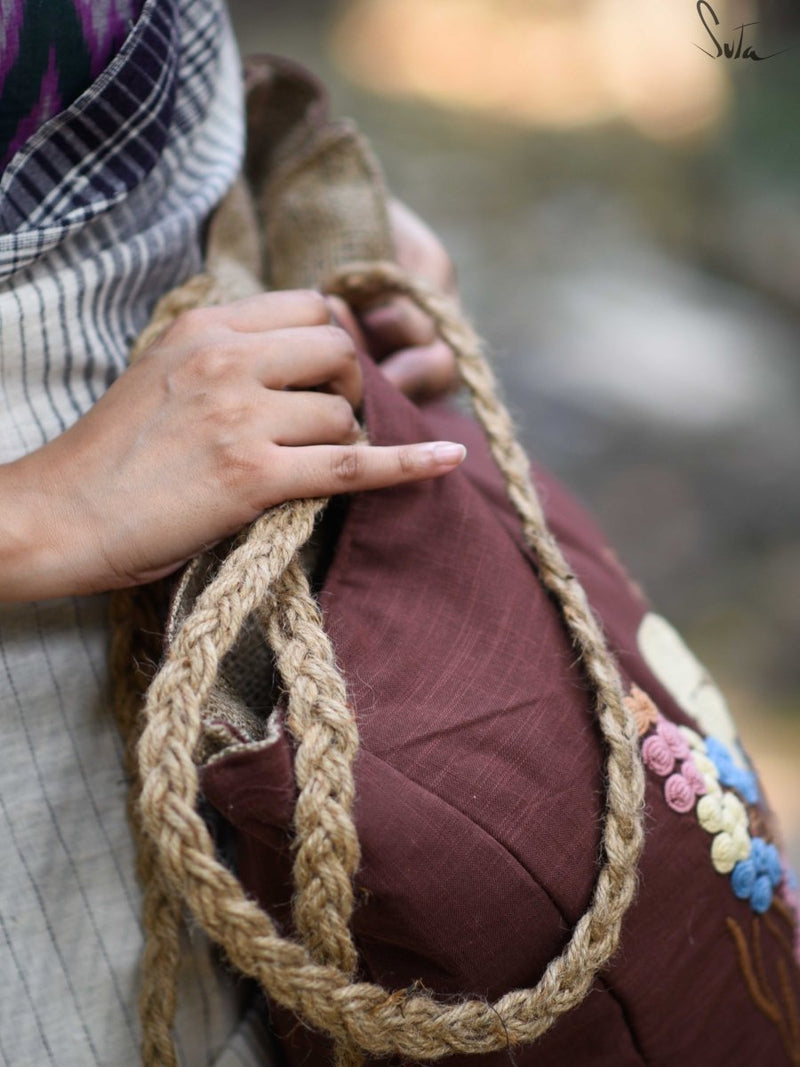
[
  {"x": 50, "y": 52},
  {"x": 100, "y": 212}
]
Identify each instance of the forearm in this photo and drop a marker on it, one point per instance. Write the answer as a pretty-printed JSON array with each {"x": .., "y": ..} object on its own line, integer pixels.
[{"x": 39, "y": 557}]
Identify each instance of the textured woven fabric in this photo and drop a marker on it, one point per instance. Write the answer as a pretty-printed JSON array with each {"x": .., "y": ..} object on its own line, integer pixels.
[
  {"x": 101, "y": 212},
  {"x": 50, "y": 52},
  {"x": 479, "y": 784}
]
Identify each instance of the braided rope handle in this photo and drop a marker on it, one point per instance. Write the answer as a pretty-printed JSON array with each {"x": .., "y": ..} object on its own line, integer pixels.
[
  {"x": 132, "y": 618},
  {"x": 313, "y": 978}
]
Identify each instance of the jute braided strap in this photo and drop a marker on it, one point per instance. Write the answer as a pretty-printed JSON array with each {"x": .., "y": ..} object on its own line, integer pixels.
[
  {"x": 134, "y": 625},
  {"x": 313, "y": 976}
]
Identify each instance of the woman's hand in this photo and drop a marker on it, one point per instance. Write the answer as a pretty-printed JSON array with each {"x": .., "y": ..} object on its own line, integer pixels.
[
  {"x": 232, "y": 410},
  {"x": 398, "y": 334}
]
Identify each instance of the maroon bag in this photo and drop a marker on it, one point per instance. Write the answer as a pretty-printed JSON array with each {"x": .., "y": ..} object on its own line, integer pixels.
[
  {"x": 479, "y": 786},
  {"x": 483, "y": 783}
]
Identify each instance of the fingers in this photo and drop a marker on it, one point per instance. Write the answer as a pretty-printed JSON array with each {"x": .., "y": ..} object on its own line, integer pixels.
[
  {"x": 397, "y": 324},
  {"x": 276, "y": 310},
  {"x": 414, "y": 358},
  {"x": 299, "y": 339},
  {"x": 342, "y": 315},
  {"x": 305, "y": 357},
  {"x": 297, "y": 357},
  {"x": 309, "y": 419},
  {"x": 325, "y": 470},
  {"x": 423, "y": 373}
]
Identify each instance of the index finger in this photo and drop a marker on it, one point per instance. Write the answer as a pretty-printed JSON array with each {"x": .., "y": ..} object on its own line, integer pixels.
[
  {"x": 324, "y": 470},
  {"x": 276, "y": 310}
]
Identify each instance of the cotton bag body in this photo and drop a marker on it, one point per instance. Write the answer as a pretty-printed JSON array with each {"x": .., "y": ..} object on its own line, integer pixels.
[{"x": 497, "y": 782}]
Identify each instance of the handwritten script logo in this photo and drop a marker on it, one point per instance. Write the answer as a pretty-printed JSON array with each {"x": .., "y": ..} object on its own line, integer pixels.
[{"x": 736, "y": 48}]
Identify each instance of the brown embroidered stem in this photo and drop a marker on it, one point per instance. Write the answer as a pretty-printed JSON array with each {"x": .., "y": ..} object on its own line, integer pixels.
[
  {"x": 752, "y": 968},
  {"x": 758, "y": 957},
  {"x": 793, "y": 1043},
  {"x": 761, "y": 999},
  {"x": 780, "y": 935},
  {"x": 785, "y": 912}
]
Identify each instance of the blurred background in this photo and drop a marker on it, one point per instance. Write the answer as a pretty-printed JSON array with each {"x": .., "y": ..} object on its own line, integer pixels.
[{"x": 623, "y": 208}]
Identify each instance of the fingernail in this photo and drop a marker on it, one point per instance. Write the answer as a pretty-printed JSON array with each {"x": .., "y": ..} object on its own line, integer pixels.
[{"x": 447, "y": 453}]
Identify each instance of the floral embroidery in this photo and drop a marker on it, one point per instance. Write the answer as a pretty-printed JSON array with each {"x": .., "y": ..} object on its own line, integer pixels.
[
  {"x": 755, "y": 878},
  {"x": 710, "y": 774},
  {"x": 685, "y": 785},
  {"x": 739, "y": 778},
  {"x": 657, "y": 755},
  {"x": 724, "y": 816},
  {"x": 644, "y": 711},
  {"x": 694, "y": 776},
  {"x": 700, "y": 774},
  {"x": 680, "y": 792},
  {"x": 687, "y": 681}
]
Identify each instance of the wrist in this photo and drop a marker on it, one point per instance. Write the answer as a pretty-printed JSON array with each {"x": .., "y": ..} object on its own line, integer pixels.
[{"x": 35, "y": 561}]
